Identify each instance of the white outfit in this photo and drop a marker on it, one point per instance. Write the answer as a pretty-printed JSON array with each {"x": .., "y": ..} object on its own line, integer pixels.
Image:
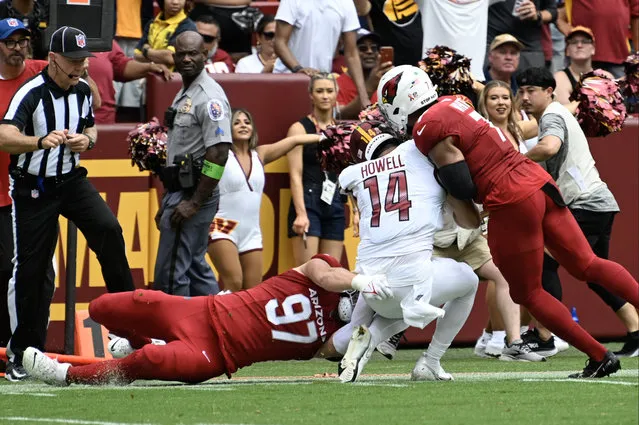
[
  {"x": 459, "y": 24},
  {"x": 249, "y": 65},
  {"x": 238, "y": 215},
  {"x": 317, "y": 27},
  {"x": 400, "y": 205}
]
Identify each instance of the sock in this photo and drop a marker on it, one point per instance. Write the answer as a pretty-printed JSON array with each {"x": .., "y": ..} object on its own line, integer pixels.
[
  {"x": 486, "y": 335},
  {"x": 499, "y": 336}
]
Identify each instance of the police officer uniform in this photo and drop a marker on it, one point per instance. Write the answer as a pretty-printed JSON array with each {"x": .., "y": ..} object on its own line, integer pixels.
[{"x": 198, "y": 119}]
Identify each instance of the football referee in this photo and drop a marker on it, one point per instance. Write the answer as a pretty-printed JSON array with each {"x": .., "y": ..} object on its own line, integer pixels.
[{"x": 47, "y": 125}]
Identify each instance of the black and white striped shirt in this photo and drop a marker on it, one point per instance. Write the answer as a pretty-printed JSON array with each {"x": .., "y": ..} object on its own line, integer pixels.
[{"x": 39, "y": 107}]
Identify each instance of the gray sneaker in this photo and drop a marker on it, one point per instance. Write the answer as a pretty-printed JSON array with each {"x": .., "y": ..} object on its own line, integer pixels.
[
  {"x": 15, "y": 372},
  {"x": 520, "y": 351}
]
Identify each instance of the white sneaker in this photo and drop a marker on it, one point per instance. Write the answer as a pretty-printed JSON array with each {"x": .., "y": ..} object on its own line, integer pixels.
[
  {"x": 388, "y": 348},
  {"x": 44, "y": 368},
  {"x": 119, "y": 347},
  {"x": 423, "y": 372},
  {"x": 357, "y": 355},
  {"x": 495, "y": 346},
  {"x": 480, "y": 345},
  {"x": 560, "y": 344}
]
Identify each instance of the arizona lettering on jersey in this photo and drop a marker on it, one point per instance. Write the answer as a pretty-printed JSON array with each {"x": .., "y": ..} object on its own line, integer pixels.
[
  {"x": 286, "y": 317},
  {"x": 399, "y": 201},
  {"x": 502, "y": 175}
]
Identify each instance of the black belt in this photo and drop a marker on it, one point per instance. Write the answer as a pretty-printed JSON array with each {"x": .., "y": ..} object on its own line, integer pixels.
[{"x": 22, "y": 178}]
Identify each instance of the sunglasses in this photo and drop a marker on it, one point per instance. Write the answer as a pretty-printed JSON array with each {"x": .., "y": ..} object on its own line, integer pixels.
[
  {"x": 11, "y": 44},
  {"x": 209, "y": 38},
  {"x": 365, "y": 48},
  {"x": 269, "y": 35}
]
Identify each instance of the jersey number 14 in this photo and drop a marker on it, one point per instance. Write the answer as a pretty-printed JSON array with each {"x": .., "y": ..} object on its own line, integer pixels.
[{"x": 396, "y": 196}]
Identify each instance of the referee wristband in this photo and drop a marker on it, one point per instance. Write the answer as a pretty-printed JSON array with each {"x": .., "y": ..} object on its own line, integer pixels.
[
  {"x": 40, "y": 142},
  {"x": 212, "y": 170}
]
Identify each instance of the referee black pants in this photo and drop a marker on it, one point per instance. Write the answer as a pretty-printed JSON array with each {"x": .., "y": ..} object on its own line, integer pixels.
[{"x": 36, "y": 209}]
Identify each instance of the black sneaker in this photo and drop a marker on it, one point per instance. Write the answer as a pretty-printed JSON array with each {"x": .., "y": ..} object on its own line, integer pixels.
[
  {"x": 630, "y": 347},
  {"x": 388, "y": 348},
  {"x": 538, "y": 345},
  {"x": 15, "y": 372},
  {"x": 609, "y": 365}
]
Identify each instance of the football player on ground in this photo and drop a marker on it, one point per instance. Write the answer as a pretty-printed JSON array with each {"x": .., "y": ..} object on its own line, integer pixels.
[
  {"x": 291, "y": 316},
  {"x": 475, "y": 160},
  {"x": 400, "y": 206}
]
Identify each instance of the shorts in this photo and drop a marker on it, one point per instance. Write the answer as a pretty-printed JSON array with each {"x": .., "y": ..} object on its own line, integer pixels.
[
  {"x": 475, "y": 254},
  {"x": 247, "y": 236},
  {"x": 326, "y": 221}
]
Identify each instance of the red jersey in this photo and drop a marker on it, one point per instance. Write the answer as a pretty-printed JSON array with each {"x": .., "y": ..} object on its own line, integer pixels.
[
  {"x": 502, "y": 175},
  {"x": 7, "y": 90},
  {"x": 286, "y": 317}
]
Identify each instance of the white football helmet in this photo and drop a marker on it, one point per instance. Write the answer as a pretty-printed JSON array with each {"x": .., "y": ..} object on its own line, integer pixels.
[
  {"x": 347, "y": 301},
  {"x": 402, "y": 91}
]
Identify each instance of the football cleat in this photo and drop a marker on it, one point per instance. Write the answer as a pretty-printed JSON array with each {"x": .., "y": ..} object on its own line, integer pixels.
[
  {"x": 119, "y": 347},
  {"x": 388, "y": 348},
  {"x": 357, "y": 355},
  {"x": 594, "y": 369},
  {"x": 425, "y": 372},
  {"x": 45, "y": 368},
  {"x": 630, "y": 347}
]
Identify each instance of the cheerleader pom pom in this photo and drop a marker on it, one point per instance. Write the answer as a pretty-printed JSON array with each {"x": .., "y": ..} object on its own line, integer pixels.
[
  {"x": 448, "y": 70},
  {"x": 147, "y": 146},
  {"x": 333, "y": 151}
]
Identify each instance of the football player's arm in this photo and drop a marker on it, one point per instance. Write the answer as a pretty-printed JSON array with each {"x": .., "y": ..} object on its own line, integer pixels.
[
  {"x": 452, "y": 170},
  {"x": 465, "y": 213},
  {"x": 338, "y": 279},
  {"x": 552, "y": 130}
]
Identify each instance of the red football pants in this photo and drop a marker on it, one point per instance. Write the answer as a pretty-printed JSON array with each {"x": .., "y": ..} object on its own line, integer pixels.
[
  {"x": 516, "y": 238},
  {"x": 190, "y": 355}
]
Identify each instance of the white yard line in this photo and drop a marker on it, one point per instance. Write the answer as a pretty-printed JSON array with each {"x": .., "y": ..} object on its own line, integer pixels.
[{"x": 13, "y": 419}]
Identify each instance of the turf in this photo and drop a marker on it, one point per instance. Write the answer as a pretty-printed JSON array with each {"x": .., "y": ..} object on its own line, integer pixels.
[{"x": 485, "y": 391}]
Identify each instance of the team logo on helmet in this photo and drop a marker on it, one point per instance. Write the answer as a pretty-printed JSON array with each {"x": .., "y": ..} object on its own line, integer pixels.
[
  {"x": 389, "y": 91},
  {"x": 361, "y": 136},
  {"x": 80, "y": 40}
]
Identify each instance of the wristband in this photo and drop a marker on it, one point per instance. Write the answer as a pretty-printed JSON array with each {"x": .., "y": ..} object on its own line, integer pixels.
[
  {"x": 359, "y": 282},
  {"x": 296, "y": 68},
  {"x": 212, "y": 170},
  {"x": 40, "y": 142}
]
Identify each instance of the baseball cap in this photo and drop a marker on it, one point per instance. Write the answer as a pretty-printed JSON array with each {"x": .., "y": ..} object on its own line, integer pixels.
[
  {"x": 502, "y": 39},
  {"x": 70, "y": 42},
  {"x": 364, "y": 33},
  {"x": 580, "y": 29},
  {"x": 9, "y": 26}
]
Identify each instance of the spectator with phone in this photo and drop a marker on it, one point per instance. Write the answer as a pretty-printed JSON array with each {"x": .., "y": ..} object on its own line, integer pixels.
[
  {"x": 307, "y": 34},
  {"x": 376, "y": 60},
  {"x": 524, "y": 20},
  {"x": 263, "y": 60}
]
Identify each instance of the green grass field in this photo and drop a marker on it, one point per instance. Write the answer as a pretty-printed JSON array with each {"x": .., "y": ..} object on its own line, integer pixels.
[{"x": 485, "y": 391}]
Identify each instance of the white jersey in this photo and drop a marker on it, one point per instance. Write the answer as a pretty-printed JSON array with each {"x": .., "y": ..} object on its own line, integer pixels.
[
  {"x": 399, "y": 200},
  {"x": 238, "y": 214}
]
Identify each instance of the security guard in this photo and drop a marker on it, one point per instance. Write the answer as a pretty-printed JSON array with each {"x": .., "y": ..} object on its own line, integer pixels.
[{"x": 199, "y": 139}]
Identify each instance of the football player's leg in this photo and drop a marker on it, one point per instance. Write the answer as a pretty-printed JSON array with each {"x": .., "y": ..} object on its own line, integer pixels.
[
  {"x": 517, "y": 243},
  {"x": 570, "y": 247},
  {"x": 143, "y": 314},
  {"x": 175, "y": 361},
  {"x": 362, "y": 315},
  {"x": 455, "y": 285}
]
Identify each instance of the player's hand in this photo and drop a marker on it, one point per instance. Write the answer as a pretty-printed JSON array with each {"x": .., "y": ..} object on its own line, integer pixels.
[
  {"x": 375, "y": 287},
  {"x": 184, "y": 211},
  {"x": 77, "y": 142},
  {"x": 54, "y": 139},
  {"x": 301, "y": 224}
]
